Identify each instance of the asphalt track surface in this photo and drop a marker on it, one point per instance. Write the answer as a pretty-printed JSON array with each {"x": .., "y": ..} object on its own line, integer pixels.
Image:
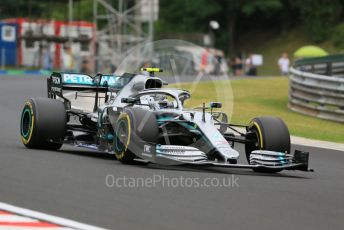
[{"x": 71, "y": 183}]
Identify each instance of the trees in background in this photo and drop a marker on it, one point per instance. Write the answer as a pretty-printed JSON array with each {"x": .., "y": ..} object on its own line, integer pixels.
[
  {"x": 321, "y": 18},
  {"x": 235, "y": 17},
  {"x": 232, "y": 10}
]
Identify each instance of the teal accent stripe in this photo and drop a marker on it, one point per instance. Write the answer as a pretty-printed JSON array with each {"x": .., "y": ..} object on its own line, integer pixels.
[{"x": 22, "y": 123}]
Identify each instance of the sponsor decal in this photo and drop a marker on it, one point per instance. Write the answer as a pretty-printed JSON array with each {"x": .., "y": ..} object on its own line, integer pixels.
[
  {"x": 111, "y": 80},
  {"x": 56, "y": 89},
  {"x": 223, "y": 142},
  {"x": 56, "y": 80},
  {"x": 147, "y": 151},
  {"x": 56, "y": 84},
  {"x": 147, "y": 148},
  {"x": 83, "y": 79},
  {"x": 79, "y": 79}
]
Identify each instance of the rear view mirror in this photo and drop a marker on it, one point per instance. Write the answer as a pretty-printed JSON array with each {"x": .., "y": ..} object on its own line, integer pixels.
[
  {"x": 215, "y": 105},
  {"x": 129, "y": 100}
]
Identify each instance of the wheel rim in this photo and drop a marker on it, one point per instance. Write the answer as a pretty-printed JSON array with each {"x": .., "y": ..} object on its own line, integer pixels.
[
  {"x": 121, "y": 136},
  {"x": 26, "y": 123},
  {"x": 255, "y": 145},
  {"x": 257, "y": 140}
]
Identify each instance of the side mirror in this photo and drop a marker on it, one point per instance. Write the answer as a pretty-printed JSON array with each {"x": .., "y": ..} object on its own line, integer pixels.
[
  {"x": 215, "y": 105},
  {"x": 129, "y": 100}
]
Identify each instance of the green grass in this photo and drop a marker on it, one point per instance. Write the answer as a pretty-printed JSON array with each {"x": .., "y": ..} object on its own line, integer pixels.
[
  {"x": 259, "y": 97},
  {"x": 272, "y": 46}
]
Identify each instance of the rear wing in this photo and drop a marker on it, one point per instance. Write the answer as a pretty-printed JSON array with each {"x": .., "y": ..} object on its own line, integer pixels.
[{"x": 59, "y": 82}]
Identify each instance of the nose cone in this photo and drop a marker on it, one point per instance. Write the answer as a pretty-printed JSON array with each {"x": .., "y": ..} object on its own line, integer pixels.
[{"x": 229, "y": 153}]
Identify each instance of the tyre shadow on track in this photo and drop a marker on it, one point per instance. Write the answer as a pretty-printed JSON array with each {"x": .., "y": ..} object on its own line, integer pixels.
[
  {"x": 89, "y": 153},
  {"x": 76, "y": 151},
  {"x": 219, "y": 171},
  {"x": 150, "y": 166}
]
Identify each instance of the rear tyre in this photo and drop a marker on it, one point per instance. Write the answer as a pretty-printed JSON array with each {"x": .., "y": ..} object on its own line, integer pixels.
[
  {"x": 267, "y": 133},
  {"x": 43, "y": 123}
]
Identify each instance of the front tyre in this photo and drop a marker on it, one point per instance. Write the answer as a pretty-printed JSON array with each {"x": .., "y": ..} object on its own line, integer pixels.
[
  {"x": 267, "y": 133},
  {"x": 133, "y": 127},
  {"x": 123, "y": 138},
  {"x": 43, "y": 123}
]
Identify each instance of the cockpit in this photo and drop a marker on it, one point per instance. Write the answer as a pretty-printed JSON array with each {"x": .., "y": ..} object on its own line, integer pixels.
[{"x": 157, "y": 100}]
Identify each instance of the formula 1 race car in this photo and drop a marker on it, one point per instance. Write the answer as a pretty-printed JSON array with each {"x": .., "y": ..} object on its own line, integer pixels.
[{"x": 135, "y": 118}]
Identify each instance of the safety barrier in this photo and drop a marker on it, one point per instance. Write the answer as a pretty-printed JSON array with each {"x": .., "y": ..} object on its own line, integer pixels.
[{"x": 316, "y": 87}]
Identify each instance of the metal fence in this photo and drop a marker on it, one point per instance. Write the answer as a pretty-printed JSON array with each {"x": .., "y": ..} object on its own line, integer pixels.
[{"x": 316, "y": 87}]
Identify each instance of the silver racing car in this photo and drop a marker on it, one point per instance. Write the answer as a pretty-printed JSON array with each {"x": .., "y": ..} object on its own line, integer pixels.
[{"x": 136, "y": 118}]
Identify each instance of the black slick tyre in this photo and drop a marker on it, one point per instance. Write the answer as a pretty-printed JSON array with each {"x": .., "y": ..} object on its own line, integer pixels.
[
  {"x": 43, "y": 123},
  {"x": 267, "y": 133}
]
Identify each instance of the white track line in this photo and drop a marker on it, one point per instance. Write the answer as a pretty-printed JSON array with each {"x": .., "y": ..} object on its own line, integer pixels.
[
  {"x": 49, "y": 218},
  {"x": 311, "y": 143},
  {"x": 316, "y": 143},
  {"x": 14, "y": 218}
]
